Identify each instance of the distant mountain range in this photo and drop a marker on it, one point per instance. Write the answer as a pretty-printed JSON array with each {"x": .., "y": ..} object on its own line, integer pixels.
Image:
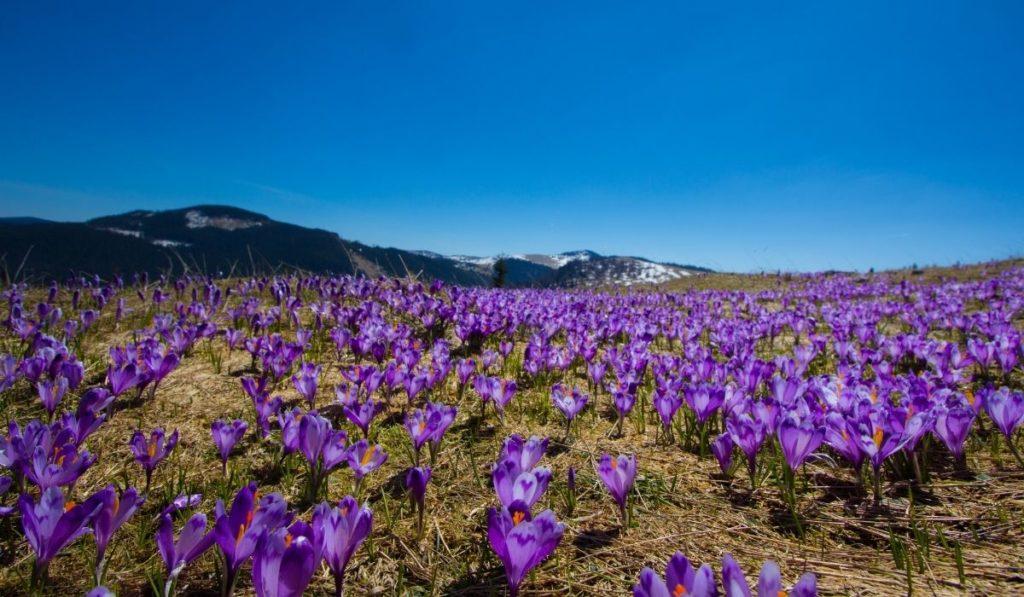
[{"x": 224, "y": 240}]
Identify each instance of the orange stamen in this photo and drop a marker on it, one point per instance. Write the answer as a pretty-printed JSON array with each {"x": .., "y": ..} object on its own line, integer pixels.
[
  {"x": 288, "y": 540},
  {"x": 879, "y": 435},
  {"x": 518, "y": 518},
  {"x": 679, "y": 591},
  {"x": 69, "y": 505},
  {"x": 368, "y": 455}
]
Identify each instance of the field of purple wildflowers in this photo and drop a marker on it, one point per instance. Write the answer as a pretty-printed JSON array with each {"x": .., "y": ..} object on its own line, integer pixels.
[{"x": 323, "y": 435}]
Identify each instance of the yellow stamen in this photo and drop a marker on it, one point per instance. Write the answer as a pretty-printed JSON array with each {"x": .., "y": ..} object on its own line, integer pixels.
[
  {"x": 241, "y": 533},
  {"x": 970, "y": 396},
  {"x": 874, "y": 395},
  {"x": 879, "y": 435},
  {"x": 152, "y": 448}
]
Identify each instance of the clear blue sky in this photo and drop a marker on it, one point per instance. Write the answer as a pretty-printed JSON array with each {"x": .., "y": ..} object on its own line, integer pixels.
[{"x": 739, "y": 138}]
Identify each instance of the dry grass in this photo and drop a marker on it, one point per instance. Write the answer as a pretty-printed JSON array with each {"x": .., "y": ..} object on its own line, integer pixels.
[{"x": 681, "y": 502}]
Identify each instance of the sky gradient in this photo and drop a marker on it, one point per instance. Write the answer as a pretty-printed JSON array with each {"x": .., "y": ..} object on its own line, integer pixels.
[{"x": 738, "y": 138}]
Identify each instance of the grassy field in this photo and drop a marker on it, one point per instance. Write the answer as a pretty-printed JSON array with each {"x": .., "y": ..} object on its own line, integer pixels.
[{"x": 961, "y": 533}]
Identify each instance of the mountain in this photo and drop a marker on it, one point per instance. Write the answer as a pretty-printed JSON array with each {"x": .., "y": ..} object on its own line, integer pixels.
[
  {"x": 24, "y": 220},
  {"x": 581, "y": 269},
  {"x": 223, "y": 240}
]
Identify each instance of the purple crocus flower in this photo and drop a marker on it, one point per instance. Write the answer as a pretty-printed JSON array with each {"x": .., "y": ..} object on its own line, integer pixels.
[
  {"x": 596, "y": 371},
  {"x": 51, "y": 392},
  {"x": 51, "y": 524},
  {"x": 666, "y": 403},
  {"x": 266, "y": 406},
  {"x": 59, "y": 466},
  {"x": 952, "y": 424},
  {"x": 441, "y": 417},
  {"x": 568, "y": 400},
  {"x": 416, "y": 480},
  {"x": 237, "y": 530},
  {"x": 513, "y": 484},
  {"x": 225, "y": 436},
  {"x": 339, "y": 532},
  {"x": 617, "y": 473},
  {"x": 122, "y": 379},
  {"x": 323, "y": 447},
  {"x": 749, "y": 434},
  {"x": 1006, "y": 409},
  {"x": 419, "y": 426},
  {"x": 680, "y": 579},
  {"x": 704, "y": 400},
  {"x": 522, "y": 542},
  {"x": 284, "y": 561},
  {"x": 624, "y": 400},
  {"x": 150, "y": 454},
  {"x": 843, "y": 438},
  {"x": 362, "y": 414},
  {"x": 192, "y": 543},
  {"x": 526, "y": 453},
  {"x": 878, "y": 438},
  {"x": 305, "y": 382},
  {"x": 769, "y": 582},
  {"x": 364, "y": 458},
  {"x": 722, "y": 448},
  {"x": 799, "y": 437},
  {"x": 505, "y": 391},
  {"x": 464, "y": 368},
  {"x": 115, "y": 511}
]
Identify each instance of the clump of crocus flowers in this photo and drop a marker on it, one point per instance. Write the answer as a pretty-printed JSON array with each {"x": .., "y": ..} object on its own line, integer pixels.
[
  {"x": 681, "y": 579},
  {"x": 520, "y": 540}
]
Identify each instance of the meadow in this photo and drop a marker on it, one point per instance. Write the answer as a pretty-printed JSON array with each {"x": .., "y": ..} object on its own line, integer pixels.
[{"x": 300, "y": 434}]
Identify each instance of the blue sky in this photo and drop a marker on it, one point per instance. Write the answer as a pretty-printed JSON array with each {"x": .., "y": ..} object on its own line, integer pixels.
[{"x": 741, "y": 138}]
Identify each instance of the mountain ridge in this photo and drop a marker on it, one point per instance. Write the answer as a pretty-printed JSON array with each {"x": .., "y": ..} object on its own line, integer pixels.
[{"x": 228, "y": 240}]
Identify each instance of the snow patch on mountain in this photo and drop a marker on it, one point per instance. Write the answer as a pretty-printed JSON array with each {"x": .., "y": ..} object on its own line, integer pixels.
[
  {"x": 647, "y": 272},
  {"x": 197, "y": 219},
  {"x": 474, "y": 261},
  {"x": 553, "y": 261},
  {"x": 123, "y": 232},
  {"x": 160, "y": 242}
]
